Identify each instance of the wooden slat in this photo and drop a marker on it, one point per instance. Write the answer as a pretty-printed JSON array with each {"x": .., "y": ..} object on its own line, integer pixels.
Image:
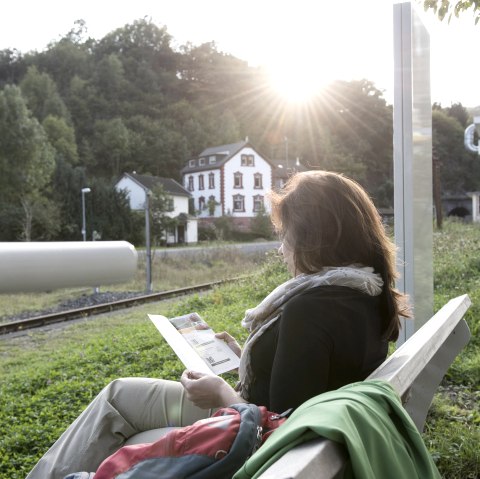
[
  {"x": 316, "y": 459},
  {"x": 407, "y": 362}
]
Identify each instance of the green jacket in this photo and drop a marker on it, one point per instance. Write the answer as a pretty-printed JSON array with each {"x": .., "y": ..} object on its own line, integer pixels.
[{"x": 368, "y": 418}]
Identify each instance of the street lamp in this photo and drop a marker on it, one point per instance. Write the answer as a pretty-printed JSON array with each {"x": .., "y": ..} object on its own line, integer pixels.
[
  {"x": 84, "y": 226},
  {"x": 148, "y": 249}
]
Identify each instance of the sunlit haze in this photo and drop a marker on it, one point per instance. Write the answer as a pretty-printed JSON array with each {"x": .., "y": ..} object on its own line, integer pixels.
[{"x": 302, "y": 44}]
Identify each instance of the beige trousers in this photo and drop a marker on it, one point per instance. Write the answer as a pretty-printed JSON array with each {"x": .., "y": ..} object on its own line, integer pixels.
[{"x": 124, "y": 408}]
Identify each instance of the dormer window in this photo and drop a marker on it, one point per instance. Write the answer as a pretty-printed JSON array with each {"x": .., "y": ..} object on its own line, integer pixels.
[
  {"x": 212, "y": 160},
  {"x": 191, "y": 163},
  {"x": 201, "y": 161},
  {"x": 247, "y": 160}
]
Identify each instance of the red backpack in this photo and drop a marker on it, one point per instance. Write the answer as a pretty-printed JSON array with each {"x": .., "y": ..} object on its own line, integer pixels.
[{"x": 214, "y": 447}]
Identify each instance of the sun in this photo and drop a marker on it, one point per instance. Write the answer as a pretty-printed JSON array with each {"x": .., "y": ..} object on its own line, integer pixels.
[{"x": 297, "y": 80}]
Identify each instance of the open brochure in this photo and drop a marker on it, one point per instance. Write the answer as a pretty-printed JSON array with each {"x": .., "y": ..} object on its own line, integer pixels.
[{"x": 194, "y": 342}]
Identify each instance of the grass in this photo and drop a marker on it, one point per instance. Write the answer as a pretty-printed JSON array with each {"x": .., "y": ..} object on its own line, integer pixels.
[
  {"x": 48, "y": 378},
  {"x": 452, "y": 431}
]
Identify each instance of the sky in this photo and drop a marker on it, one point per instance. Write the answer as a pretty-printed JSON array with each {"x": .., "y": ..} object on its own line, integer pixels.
[{"x": 303, "y": 43}]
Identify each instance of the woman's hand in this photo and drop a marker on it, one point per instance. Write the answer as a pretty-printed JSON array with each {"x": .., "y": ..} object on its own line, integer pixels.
[
  {"x": 207, "y": 392},
  {"x": 231, "y": 342}
]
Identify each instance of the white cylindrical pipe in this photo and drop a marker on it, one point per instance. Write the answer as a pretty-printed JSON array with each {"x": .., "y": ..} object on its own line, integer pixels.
[{"x": 36, "y": 266}]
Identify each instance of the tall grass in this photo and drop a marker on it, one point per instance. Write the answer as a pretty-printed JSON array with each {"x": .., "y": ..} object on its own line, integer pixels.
[{"x": 47, "y": 378}]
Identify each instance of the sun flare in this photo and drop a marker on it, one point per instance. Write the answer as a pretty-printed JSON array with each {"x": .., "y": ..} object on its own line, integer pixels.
[{"x": 297, "y": 81}]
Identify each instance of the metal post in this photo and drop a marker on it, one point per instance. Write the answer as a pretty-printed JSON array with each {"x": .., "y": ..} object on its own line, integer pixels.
[
  {"x": 84, "y": 222},
  {"x": 147, "y": 242}
]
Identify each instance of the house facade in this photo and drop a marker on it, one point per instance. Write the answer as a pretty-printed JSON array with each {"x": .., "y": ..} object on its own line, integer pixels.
[
  {"x": 137, "y": 187},
  {"x": 229, "y": 180}
]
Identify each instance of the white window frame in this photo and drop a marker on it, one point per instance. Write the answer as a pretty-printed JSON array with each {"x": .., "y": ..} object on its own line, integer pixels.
[
  {"x": 238, "y": 175},
  {"x": 240, "y": 198},
  {"x": 211, "y": 181},
  {"x": 258, "y": 203}
]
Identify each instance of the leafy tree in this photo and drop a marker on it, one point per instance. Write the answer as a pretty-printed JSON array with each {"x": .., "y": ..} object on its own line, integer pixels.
[
  {"x": 26, "y": 160},
  {"x": 161, "y": 222},
  {"x": 261, "y": 225},
  {"x": 447, "y": 9},
  {"x": 111, "y": 146},
  {"x": 62, "y": 137},
  {"x": 161, "y": 149},
  {"x": 66, "y": 59},
  {"x": 67, "y": 182},
  {"x": 458, "y": 111},
  {"x": 459, "y": 169},
  {"x": 41, "y": 95},
  {"x": 12, "y": 67},
  {"x": 111, "y": 217}
]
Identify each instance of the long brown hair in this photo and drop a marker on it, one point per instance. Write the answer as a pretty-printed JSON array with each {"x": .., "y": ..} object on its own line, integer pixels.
[{"x": 327, "y": 219}]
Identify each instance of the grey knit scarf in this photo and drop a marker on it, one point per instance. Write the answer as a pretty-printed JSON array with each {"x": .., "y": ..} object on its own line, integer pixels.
[{"x": 257, "y": 320}]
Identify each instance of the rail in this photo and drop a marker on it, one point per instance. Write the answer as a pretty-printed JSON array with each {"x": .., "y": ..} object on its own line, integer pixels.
[{"x": 68, "y": 315}]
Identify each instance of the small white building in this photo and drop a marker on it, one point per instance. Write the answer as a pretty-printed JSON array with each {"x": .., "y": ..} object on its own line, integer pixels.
[
  {"x": 137, "y": 187},
  {"x": 229, "y": 179}
]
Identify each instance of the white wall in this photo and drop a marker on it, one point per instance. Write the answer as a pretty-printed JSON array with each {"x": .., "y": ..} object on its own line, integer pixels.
[
  {"x": 206, "y": 192},
  {"x": 135, "y": 193},
  {"x": 180, "y": 205},
  {"x": 191, "y": 231},
  {"x": 248, "y": 191}
]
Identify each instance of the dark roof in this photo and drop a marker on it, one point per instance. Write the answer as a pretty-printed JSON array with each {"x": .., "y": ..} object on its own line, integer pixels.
[
  {"x": 222, "y": 154},
  {"x": 149, "y": 182},
  {"x": 228, "y": 150}
]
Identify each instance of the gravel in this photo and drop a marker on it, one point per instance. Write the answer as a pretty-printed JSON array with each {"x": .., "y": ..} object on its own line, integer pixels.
[{"x": 83, "y": 301}]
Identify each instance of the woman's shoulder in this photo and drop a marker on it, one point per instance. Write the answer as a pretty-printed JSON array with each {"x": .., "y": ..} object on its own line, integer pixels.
[
  {"x": 330, "y": 294},
  {"x": 330, "y": 300}
]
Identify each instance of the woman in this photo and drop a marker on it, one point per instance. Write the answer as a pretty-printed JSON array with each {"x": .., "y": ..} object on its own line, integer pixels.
[{"x": 326, "y": 327}]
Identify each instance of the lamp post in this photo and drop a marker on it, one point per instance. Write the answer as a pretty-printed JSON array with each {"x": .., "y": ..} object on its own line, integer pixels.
[
  {"x": 84, "y": 226},
  {"x": 148, "y": 249}
]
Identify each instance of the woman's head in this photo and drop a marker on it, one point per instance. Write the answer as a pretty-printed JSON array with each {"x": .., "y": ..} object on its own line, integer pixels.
[{"x": 327, "y": 219}]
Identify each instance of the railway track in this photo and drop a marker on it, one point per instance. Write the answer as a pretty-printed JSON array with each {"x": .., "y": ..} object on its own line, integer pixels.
[{"x": 68, "y": 315}]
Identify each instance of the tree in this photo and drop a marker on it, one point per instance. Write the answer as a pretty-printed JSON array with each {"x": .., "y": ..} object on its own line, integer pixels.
[
  {"x": 161, "y": 222},
  {"x": 111, "y": 146},
  {"x": 447, "y": 9},
  {"x": 27, "y": 162},
  {"x": 459, "y": 169},
  {"x": 261, "y": 225},
  {"x": 41, "y": 95},
  {"x": 62, "y": 137}
]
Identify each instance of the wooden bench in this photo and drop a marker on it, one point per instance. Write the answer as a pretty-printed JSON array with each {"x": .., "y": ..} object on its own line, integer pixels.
[{"x": 415, "y": 370}]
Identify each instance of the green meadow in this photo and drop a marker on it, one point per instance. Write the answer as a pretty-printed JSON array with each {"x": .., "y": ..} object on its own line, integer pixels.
[{"x": 48, "y": 377}]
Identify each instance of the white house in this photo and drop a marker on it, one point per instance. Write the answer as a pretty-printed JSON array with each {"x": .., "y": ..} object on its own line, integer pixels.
[
  {"x": 229, "y": 179},
  {"x": 138, "y": 186}
]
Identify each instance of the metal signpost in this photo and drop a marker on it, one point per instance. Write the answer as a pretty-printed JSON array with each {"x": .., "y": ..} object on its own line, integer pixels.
[{"x": 412, "y": 122}]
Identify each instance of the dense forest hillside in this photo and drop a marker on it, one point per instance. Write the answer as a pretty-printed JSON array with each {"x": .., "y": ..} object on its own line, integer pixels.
[{"x": 84, "y": 111}]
